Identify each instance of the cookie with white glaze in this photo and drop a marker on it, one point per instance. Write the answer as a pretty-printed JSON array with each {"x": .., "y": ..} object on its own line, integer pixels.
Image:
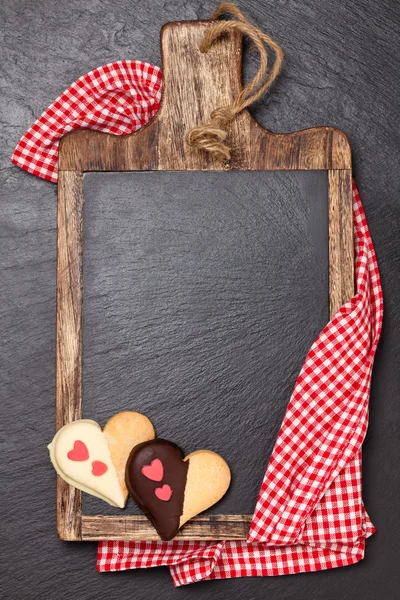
[{"x": 92, "y": 460}]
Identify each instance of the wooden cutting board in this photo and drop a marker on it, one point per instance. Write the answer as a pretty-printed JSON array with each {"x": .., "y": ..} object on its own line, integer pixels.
[{"x": 193, "y": 85}]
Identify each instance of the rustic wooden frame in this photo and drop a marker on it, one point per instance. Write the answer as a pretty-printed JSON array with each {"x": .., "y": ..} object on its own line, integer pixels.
[{"x": 214, "y": 79}]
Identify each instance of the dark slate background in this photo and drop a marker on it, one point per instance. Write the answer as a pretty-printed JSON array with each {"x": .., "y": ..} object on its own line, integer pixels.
[
  {"x": 341, "y": 69},
  {"x": 193, "y": 314}
]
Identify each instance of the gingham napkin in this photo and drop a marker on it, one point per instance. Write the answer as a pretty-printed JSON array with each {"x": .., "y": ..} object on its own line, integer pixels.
[
  {"x": 117, "y": 98},
  {"x": 309, "y": 514}
]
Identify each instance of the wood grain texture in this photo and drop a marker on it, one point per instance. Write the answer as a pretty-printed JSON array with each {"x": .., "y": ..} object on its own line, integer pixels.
[
  {"x": 188, "y": 74},
  {"x": 341, "y": 253},
  {"x": 194, "y": 85},
  {"x": 213, "y": 527},
  {"x": 69, "y": 336}
]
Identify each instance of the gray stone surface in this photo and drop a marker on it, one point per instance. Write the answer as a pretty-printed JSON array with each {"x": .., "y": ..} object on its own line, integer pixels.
[
  {"x": 341, "y": 69},
  {"x": 193, "y": 314}
]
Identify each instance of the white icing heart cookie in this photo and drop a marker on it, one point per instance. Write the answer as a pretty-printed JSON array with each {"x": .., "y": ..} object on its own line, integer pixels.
[{"x": 94, "y": 461}]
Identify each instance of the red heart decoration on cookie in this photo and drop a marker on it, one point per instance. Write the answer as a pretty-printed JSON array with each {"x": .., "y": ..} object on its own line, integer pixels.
[
  {"x": 189, "y": 484},
  {"x": 79, "y": 452},
  {"x": 99, "y": 468},
  {"x": 154, "y": 471},
  {"x": 163, "y": 493}
]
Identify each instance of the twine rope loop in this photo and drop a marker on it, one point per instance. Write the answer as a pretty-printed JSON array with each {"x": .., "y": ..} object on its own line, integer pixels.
[{"x": 211, "y": 136}]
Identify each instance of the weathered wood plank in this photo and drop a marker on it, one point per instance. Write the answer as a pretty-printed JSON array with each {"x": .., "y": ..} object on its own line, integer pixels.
[
  {"x": 213, "y": 527},
  {"x": 194, "y": 85},
  {"x": 69, "y": 335},
  {"x": 341, "y": 252}
]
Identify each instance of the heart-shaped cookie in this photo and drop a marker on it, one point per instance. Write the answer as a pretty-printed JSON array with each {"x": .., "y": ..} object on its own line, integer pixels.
[
  {"x": 187, "y": 486},
  {"x": 124, "y": 431},
  {"x": 93, "y": 460}
]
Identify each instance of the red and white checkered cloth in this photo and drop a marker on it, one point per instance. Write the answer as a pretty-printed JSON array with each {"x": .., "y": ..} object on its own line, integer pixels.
[
  {"x": 117, "y": 98},
  {"x": 309, "y": 515}
]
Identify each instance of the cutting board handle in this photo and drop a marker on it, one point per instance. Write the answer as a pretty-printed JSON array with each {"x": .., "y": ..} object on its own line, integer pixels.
[{"x": 194, "y": 84}]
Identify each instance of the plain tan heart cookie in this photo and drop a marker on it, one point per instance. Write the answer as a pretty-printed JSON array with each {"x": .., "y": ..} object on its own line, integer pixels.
[
  {"x": 171, "y": 489},
  {"x": 94, "y": 461},
  {"x": 123, "y": 432},
  {"x": 208, "y": 479}
]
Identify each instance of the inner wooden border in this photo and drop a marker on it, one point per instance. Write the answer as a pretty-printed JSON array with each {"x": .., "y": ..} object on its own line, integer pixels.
[{"x": 160, "y": 146}]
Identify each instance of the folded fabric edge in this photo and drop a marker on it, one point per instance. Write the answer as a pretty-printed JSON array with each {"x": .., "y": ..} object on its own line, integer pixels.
[
  {"x": 37, "y": 150},
  {"x": 303, "y": 559},
  {"x": 347, "y": 560},
  {"x": 17, "y": 161}
]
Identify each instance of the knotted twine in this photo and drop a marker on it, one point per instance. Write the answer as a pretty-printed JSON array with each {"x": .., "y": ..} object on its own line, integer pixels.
[{"x": 211, "y": 136}]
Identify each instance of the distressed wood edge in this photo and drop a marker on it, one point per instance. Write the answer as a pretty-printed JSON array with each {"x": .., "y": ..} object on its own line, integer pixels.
[
  {"x": 340, "y": 239},
  {"x": 76, "y": 149},
  {"x": 253, "y": 146},
  {"x": 69, "y": 512},
  {"x": 334, "y": 150},
  {"x": 139, "y": 528},
  {"x": 69, "y": 336},
  {"x": 235, "y": 38}
]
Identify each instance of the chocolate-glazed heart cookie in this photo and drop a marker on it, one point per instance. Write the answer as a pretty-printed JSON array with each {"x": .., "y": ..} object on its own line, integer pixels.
[
  {"x": 148, "y": 467},
  {"x": 171, "y": 489}
]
